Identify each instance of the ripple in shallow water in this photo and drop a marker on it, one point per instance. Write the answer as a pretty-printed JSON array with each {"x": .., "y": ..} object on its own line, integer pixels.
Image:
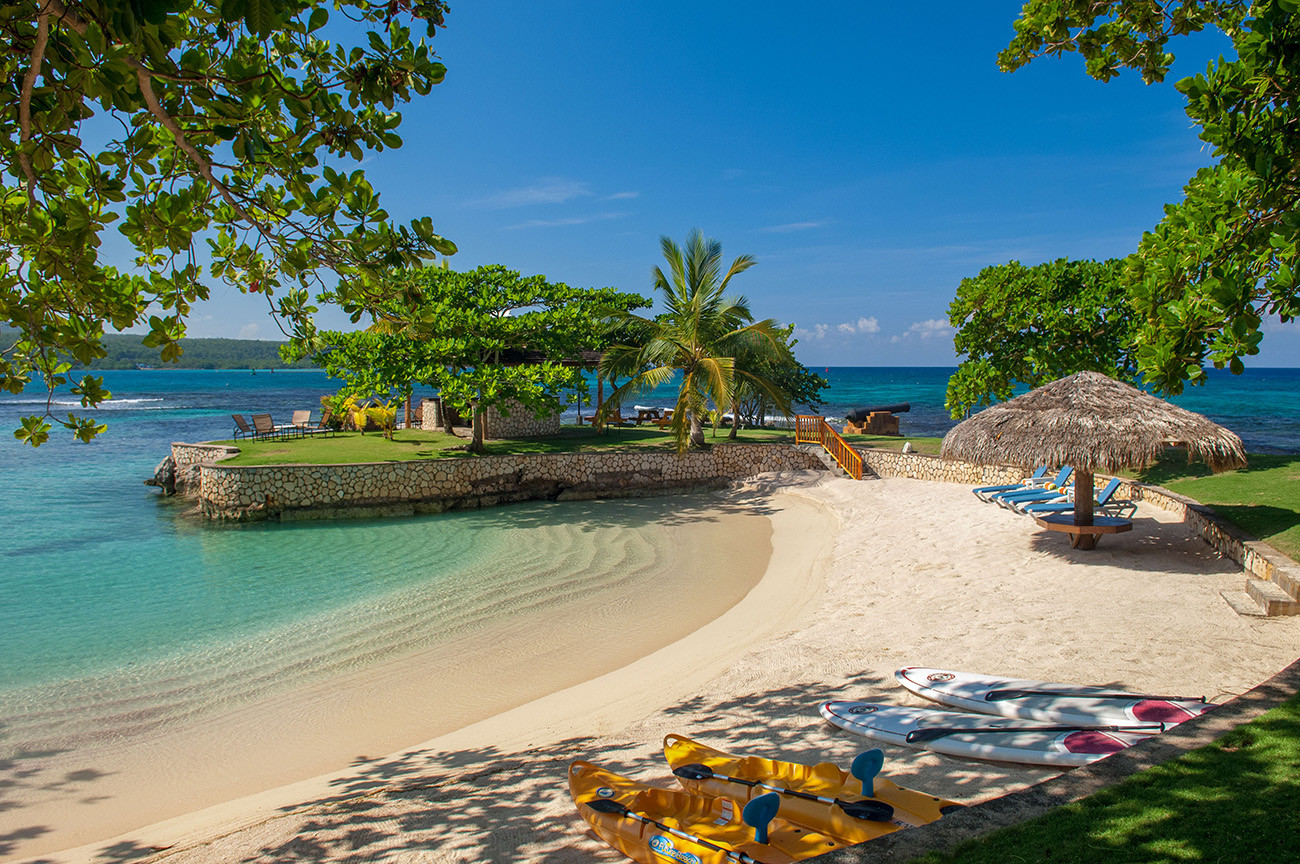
[{"x": 247, "y": 613}]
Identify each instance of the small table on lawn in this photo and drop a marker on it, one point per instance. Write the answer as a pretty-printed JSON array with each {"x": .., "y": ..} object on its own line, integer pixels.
[
  {"x": 1084, "y": 536},
  {"x": 646, "y": 414}
]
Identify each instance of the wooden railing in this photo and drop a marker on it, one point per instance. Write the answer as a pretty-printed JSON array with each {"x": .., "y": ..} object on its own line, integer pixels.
[{"x": 815, "y": 430}]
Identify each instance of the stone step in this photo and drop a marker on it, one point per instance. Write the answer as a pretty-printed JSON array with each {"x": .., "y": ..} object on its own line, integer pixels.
[
  {"x": 1287, "y": 577},
  {"x": 1242, "y": 603},
  {"x": 1271, "y": 598}
]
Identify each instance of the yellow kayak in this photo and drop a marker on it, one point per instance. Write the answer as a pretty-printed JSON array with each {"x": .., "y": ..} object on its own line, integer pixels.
[
  {"x": 821, "y": 798},
  {"x": 661, "y": 826}
]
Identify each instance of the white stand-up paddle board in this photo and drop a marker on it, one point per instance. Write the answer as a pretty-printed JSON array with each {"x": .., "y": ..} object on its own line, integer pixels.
[
  {"x": 980, "y": 736},
  {"x": 1050, "y": 703}
]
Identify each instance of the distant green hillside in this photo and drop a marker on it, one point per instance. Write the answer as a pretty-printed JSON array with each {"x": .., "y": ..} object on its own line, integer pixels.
[{"x": 125, "y": 351}]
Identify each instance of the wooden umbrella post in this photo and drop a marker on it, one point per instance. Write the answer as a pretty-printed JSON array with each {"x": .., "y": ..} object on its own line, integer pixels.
[{"x": 1083, "y": 493}]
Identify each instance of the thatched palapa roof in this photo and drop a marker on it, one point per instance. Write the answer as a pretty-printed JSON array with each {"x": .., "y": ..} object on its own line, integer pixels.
[{"x": 1092, "y": 422}]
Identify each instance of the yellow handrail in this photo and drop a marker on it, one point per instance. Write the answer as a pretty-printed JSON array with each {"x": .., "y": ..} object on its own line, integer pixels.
[{"x": 810, "y": 429}]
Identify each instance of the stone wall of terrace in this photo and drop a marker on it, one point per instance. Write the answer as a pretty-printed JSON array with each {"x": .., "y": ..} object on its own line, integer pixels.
[
  {"x": 247, "y": 493},
  {"x": 192, "y": 454}
]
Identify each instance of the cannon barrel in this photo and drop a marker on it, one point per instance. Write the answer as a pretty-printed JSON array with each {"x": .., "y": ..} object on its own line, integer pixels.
[{"x": 858, "y": 415}]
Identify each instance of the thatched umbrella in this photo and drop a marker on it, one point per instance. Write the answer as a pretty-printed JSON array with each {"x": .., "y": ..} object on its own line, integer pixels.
[{"x": 1093, "y": 423}]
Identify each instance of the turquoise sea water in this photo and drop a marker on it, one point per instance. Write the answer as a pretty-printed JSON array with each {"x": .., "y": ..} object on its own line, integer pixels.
[{"x": 108, "y": 600}]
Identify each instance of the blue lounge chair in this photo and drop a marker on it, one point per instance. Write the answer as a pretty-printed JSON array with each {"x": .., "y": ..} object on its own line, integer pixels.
[
  {"x": 984, "y": 493},
  {"x": 1102, "y": 504},
  {"x": 1009, "y": 499}
]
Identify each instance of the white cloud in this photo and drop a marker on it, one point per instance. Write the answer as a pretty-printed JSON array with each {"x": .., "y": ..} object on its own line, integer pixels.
[
  {"x": 567, "y": 220},
  {"x": 817, "y": 331},
  {"x": 548, "y": 190},
  {"x": 250, "y": 330},
  {"x": 931, "y": 328},
  {"x": 791, "y": 227},
  {"x": 862, "y": 325},
  {"x": 621, "y": 196}
]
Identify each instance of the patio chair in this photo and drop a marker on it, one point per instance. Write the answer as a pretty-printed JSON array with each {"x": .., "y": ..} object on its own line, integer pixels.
[
  {"x": 1055, "y": 489},
  {"x": 1102, "y": 501},
  {"x": 302, "y": 422},
  {"x": 984, "y": 493},
  {"x": 266, "y": 428},
  {"x": 242, "y": 428}
]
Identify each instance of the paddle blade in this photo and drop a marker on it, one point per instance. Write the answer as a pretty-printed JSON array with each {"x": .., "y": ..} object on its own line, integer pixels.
[
  {"x": 760, "y": 811},
  {"x": 871, "y": 811},
  {"x": 606, "y": 805},
  {"x": 866, "y": 766},
  {"x": 694, "y": 771},
  {"x": 951, "y": 808}
]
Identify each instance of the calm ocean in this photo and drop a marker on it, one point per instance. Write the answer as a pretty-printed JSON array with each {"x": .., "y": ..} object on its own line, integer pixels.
[{"x": 100, "y": 582}]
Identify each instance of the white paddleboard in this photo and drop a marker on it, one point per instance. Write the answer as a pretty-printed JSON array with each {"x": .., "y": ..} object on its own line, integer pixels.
[
  {"x": 1022, "y": 741},
  {"x": 1050, "y": 703}
]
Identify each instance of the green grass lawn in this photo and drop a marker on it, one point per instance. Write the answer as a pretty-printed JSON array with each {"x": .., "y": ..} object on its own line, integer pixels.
[
  {"x": 1262, "y": 499},
  {"x": 1233, "y": 801},
  {"x": 420, "y": 444},
  {"x": 928, "y": 446}
]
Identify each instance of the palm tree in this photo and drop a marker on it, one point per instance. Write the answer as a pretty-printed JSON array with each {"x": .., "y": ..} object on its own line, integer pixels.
[{"x": 697, "y": 336}]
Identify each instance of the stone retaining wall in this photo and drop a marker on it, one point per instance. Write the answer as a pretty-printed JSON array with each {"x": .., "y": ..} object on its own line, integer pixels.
[
  {"x": 380, "y": 488},
  {"x": 521, "y": 423},
  {"x": 191, "y": 454},
  {"x": 1252, "y": 555}
]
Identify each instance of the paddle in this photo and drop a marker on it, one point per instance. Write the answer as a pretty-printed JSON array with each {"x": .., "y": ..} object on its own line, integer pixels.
[
  {"x": 1003, "y": 695},
  {"x": 608, "y": 805},
  {"x": 759, "y": 812},
  {"x": 866, "y": 766},
  {"x": 930, "y": 734},
  {"x": 874, "y": 811}
]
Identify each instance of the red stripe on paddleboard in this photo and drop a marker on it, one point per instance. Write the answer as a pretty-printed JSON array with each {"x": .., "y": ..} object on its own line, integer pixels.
[
  {"x": 1093, "y": 741},
  {"x": 1160, "y": 711}
]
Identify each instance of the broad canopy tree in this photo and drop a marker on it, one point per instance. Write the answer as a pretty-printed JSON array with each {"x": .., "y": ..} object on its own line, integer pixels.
[
  {"x": 485, "y": 338},
  {"x": 1226, "y": 257},
  {"x": 214, "y": 135},
  {"x": 1019, "y": 325}
]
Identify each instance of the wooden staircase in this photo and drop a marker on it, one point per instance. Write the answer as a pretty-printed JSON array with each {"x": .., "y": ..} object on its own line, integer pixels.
[{"x": 815, "y": 430}]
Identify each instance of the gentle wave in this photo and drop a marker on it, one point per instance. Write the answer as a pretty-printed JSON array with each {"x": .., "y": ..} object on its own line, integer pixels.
[{"x": 78, "y": 401}]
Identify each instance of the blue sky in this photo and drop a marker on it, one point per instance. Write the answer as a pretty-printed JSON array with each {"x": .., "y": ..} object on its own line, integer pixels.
[{"x": 869, "y": 156}]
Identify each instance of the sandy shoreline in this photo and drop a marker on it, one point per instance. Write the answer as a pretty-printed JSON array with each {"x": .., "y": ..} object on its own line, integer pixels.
[
  {"x": 919, "y": 573},
  {"x": 457, "y": 687}
]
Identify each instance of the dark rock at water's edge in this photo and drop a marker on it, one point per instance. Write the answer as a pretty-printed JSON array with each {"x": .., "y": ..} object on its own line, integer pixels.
[
  {"x": 172, "y": 481},
  {"x": 164, "y": 476}
]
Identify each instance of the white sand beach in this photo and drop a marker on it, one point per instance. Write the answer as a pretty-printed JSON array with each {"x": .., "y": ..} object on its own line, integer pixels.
[{"x": 864, "y": 577}]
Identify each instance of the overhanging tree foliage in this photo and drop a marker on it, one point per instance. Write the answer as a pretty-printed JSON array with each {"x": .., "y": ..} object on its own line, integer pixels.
[
  {"x": 486, "y": 338},
  {"x": 203, "y": 129},
  {"x": 1031, "y": 325},
  {"x": 1225, "y": 258},
  {"x": 782, "y": 372}
]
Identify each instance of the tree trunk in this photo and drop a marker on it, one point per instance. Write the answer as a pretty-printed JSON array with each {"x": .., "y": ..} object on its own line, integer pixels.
[
  {"x": 476, "y": 445},
  {"x": 446, "y": 417},
  {"x": 697, "y": 431},
  {"x": 735, "y": 420}
]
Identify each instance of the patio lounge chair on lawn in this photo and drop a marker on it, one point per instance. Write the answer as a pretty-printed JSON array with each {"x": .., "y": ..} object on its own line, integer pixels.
[
  {"x": 1055, "y": 489},
  {"x": 242, "y": 427},
  {"x": 1104, "y": 504},
  {"x": 267, "y": 429},
  {"x": 984, "y": 493},
  {"x": 302, "y": 422}
]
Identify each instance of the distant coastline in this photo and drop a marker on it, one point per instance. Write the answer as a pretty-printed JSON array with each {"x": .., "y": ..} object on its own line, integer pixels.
[{"x": 127, "y": 351}]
